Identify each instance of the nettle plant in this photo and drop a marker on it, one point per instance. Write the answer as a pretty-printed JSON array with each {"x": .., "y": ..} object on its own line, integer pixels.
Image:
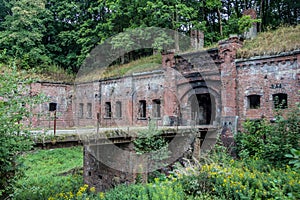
[{"x": 15, "y": 103}]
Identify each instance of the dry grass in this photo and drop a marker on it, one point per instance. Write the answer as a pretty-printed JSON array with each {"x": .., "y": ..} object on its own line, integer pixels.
[
  {"x": 141, "y": 65},
  {"x": 280, "y": 40},
  {"x": 55, "y": 74}
]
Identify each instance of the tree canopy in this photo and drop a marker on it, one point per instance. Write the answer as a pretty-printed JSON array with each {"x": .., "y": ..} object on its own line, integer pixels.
[{"x": 40, "y": 33}]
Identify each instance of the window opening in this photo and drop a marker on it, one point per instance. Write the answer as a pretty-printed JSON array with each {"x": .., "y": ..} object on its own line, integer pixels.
[
  {"x": 89, "y": 110},
  {"x": 107, "y": 109},
  {"x": 142, "y": 109},
  {"x": 254, "y": 101},
  {"x": 280, "y": 101},
  {"x": 118, "y": 109},
  {"x": 80, "y": 111},
  {"x": 156, "y": 108}
]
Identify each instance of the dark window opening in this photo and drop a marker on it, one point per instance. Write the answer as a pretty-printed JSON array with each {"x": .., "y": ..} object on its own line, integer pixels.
[
  {"x": 254, "y": 101},
  {"x": 89, "y": 110},
  {"x": 80, "y": 111},
  {"x": 142, "y": 109},
  {"x": 156, "y": 108},
  {"x": 107, "y": 109},
  {"x": 52, "y": 106},
  {"x": 118, "y": 109},
  {"x": 280, "y": 101}
]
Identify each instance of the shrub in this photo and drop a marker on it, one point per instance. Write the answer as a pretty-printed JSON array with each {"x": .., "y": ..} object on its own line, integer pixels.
[
  {"x": 244, "y": 180},
  {"x": 294, "y": 157},
  {"x": 150, "y": 143},
  {"x": 168, "y": 189},
  {"x": 14, "y": 140},
  {"x": 271, "y": 142}
]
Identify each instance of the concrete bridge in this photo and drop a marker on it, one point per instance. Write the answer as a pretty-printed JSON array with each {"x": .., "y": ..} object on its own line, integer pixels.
[{"x": 109, "y": 155}]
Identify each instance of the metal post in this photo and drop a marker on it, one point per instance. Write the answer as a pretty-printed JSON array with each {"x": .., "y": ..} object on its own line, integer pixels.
[
  {"x": 98, "y": 117},
  {"x": 54, "y": 123}
]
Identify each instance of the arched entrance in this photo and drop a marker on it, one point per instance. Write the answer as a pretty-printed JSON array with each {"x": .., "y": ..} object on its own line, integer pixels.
[{"x": 202, "y": 108}]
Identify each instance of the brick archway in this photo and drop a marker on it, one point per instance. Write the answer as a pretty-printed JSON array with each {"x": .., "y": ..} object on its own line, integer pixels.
[{"x": 200, "y": 106}]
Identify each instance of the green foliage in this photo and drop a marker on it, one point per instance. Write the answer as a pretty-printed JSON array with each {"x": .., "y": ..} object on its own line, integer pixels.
[
  {"x": 62, "y": 33},
  {"x": 237, "y": 179},
  {"x": 270, "y": 142},
  {"x": 15, "y": 102},
  {"x": 24, "y": 31},
  {"x": 294, "y": 158},
  {"x": 245, "y": 22},
  {"x": 252, "y": 179},
  {"x": 50, "y": 172},
  {"x": 150, "y": 142},
  {"x": 168, "y": 189}
]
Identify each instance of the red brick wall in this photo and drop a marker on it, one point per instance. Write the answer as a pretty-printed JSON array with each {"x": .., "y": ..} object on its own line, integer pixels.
[
  {"x": 217, "y": 72},
  {"x": 55, "y": 93},
  {"x": 266, "y": 76}
]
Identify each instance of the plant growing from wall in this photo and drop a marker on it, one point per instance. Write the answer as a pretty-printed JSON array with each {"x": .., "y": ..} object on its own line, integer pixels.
[
  {"x": 14, "y": 107},
  {"x": 245, "y": 22}
]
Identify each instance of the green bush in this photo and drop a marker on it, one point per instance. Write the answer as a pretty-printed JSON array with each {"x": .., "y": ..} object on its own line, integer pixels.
[
  {"x": 151, "y": 142},
  {"x": 168, "y": 189},
  {"x": 244, "y": 180},
  {"x": 270, "y": 142},
  {"x": 294, "y": 157},
  {"x": 14, "y": 140}
]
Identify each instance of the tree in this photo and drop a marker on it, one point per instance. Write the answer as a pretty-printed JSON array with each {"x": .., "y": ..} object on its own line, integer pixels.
[
  {"x": 23, "y": 33},
  {"x": 14, "y": 107},
  {"x": 4, "y": 10}
]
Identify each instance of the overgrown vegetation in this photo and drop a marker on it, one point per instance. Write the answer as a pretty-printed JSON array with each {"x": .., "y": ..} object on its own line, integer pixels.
[
  {"x": 270, "y": 142},
  {"x": 49, "y": 172},
  {"x": 151, "y": 144},
  {"x": 283, "y": 39},
  {"x": 143, "y": 64},
  {"x": 15, "y": 102},
  {"x": 41, "y": 34},
  {"x": 263, "y": 170}
]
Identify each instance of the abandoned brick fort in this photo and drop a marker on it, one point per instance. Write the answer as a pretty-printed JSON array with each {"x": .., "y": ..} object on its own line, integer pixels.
[{"x": 209, "y": 87}]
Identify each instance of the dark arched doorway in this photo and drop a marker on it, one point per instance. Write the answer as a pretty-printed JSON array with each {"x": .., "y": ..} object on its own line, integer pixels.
[{"x": 202, "y": 108}]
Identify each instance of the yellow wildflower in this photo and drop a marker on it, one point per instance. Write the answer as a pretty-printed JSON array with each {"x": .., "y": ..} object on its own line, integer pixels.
[
  {"x": 101, "y": 195},
  {"x": 92, "y": 189}
]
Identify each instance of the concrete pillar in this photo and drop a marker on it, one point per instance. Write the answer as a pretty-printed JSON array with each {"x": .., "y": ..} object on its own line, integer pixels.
[{"x": 197, "y": 39}]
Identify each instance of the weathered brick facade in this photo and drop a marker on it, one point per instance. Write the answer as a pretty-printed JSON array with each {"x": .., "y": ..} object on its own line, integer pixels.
[
  {"x": 211, "y": 88},
  {"x": 198, "y": 88},
  {"x": 61, "y": 95}
]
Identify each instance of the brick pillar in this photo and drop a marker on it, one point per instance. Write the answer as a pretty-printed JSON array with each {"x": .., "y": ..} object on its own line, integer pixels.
[
  {"x": 252, "y": 32},
  {"x": 168, "y": 59},
  {"x": 227, "y": 54},
  {"x": 170, "y": 89}
]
